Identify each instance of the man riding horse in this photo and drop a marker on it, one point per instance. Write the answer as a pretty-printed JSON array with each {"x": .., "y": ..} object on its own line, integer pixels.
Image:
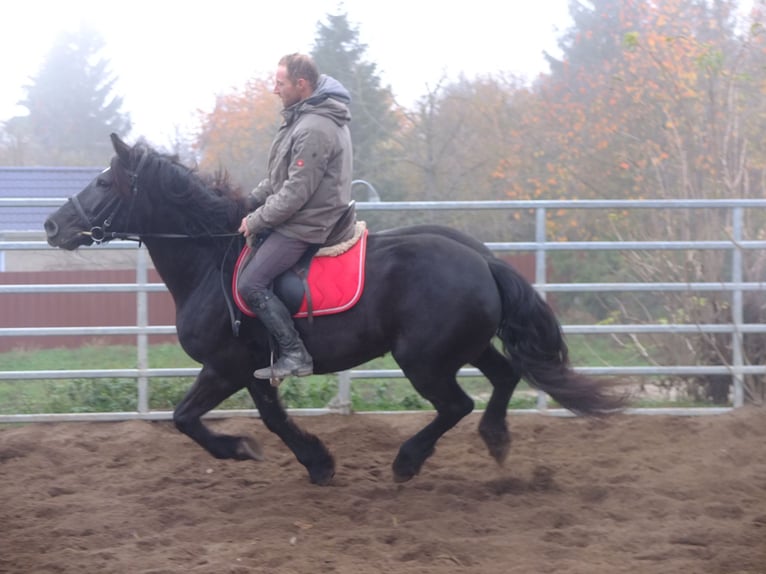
[{"x": 307, "y": 191}]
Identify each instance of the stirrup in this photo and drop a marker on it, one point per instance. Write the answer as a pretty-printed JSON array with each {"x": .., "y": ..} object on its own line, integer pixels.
[{"x": 276, "y": 373}]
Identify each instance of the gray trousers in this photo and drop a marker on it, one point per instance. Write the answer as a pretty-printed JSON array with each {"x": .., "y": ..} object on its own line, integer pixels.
[{"x": 275, "y": 255}]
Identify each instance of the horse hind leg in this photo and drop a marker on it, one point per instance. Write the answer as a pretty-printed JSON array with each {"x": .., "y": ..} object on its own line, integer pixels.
[
  {"x": 451, "y": 404},
  {"x": 504, "y": 378}
]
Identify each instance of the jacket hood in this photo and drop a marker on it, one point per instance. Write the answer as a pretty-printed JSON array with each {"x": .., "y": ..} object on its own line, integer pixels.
[
  {"x": 329, "y": 87},
  {"x": 330, "y": 99}
]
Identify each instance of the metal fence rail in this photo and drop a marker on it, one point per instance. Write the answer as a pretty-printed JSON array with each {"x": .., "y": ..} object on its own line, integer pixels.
[{"x": 737, "y": 245}]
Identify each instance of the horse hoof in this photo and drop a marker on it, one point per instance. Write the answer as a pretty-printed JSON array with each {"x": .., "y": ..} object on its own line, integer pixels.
[
  {"x": 399, "y": 478},
  {"x": 249, "y": 449},
  {"x": 499, "y": 452},
  {"x": 322, "y": 478},
  {"x": 404, "y": 471},
  {"x": 498, "y": 442}
]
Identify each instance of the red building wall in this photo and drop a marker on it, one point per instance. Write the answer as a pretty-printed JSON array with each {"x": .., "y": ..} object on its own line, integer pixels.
[
  {"x": 78, "y": 309},
  {"x": 89, "y": 309}
]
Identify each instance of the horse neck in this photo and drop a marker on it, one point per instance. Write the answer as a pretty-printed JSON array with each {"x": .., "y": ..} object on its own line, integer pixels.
[{"x": 185, "y": 266}]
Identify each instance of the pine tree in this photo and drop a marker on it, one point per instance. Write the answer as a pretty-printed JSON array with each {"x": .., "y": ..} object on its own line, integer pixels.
[
  {"x": 71, "y": 107},
  {"x": 338, "y": 53}
]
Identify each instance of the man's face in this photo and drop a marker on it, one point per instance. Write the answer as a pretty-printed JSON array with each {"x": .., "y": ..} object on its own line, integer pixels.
[{"x": 288, "y": 92}]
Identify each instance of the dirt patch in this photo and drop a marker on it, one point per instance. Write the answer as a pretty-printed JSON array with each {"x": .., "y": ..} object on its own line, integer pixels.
[{"x": 638, "y": 494}]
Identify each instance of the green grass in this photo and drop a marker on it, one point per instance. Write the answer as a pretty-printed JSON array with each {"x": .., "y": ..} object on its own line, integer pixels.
[
  {"x": 601, "y": 350},
  {"x": 119, "y": 394},
  {"x": 88, "y": 395}
]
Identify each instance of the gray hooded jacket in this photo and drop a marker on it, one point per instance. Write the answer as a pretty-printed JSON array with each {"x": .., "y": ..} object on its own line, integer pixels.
[{"x": 308, "y": 187}]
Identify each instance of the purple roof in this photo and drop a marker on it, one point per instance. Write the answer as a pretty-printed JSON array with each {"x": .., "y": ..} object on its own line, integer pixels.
[{"x": 50, "y": 182}]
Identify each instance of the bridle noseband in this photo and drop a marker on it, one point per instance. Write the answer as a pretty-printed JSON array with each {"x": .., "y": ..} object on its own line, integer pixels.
[{"x": 100, "y": 233}]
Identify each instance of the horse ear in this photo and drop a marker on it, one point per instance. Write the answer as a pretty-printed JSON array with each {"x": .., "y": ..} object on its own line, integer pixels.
[{"x": 121, "y": 148}]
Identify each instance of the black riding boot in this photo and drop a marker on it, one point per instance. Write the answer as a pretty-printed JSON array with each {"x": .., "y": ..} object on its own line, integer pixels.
[{"x": 293, "y": 359}]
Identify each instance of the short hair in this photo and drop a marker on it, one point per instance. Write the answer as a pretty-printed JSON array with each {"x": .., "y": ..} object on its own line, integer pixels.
[{"x": 301, "y": 66}]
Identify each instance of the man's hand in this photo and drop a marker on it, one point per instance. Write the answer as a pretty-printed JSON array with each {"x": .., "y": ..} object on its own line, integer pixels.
[{"x": 243, "y": 227}]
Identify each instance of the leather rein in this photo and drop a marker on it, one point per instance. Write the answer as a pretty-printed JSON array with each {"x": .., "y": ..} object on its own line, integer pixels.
[{"x": 100, "y": 233}]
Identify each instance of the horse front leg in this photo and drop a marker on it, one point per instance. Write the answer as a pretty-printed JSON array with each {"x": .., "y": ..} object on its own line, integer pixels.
[
  {"x": 208, "y": 391},
  {"x": 308, "y": 449}
]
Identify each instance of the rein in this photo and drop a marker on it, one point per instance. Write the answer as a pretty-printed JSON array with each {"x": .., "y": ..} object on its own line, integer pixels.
[
  {"x": 100, "y": 233},
  {"x": 101, "y": 236}
]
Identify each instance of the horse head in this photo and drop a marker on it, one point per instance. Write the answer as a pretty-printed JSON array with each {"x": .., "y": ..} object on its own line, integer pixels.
[
  {"x": 143, "y": 194},
  {"x": 103, "y": 208}
]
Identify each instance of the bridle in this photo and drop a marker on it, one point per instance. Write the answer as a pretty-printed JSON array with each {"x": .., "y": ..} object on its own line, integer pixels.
[{"x": 99, "y": 232}]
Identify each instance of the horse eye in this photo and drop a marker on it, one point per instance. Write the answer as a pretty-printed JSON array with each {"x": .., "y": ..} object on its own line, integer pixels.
[{"x": 103, "y": 182}]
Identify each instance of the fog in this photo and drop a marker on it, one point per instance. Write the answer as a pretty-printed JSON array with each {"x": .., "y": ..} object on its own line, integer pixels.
[{"x": 172, "y": 58}]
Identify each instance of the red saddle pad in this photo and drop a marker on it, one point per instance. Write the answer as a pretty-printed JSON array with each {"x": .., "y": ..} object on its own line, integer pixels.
[{"x": 336, "y": 282}]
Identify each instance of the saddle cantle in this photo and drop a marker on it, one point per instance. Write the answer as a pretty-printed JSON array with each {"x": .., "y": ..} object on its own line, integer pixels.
[{"x": 335, "y": 282}]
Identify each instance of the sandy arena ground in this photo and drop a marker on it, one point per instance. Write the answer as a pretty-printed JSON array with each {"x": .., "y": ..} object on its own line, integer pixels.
[{"x": 633, "y": 494}]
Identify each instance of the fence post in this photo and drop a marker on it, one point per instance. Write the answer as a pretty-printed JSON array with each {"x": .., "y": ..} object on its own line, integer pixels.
[
  {"x": 341, "y": 403},
  {"x": 737, "y": 356},
  {"x": 540, "y": 278},
  {"x": 142, "y": 321}
]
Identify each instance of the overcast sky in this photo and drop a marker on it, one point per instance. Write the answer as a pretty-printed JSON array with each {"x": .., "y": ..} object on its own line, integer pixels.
[{"x": 171, "y": 58}]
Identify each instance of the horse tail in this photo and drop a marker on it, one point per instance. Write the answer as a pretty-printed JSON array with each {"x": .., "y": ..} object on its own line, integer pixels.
[{"x": 534, "y": 342}]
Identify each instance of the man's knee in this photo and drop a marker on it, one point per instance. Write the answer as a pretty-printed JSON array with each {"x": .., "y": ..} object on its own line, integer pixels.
[{"x": 254, "y": 297}]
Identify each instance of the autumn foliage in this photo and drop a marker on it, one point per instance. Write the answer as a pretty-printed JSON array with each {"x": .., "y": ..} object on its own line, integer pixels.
[{"x": 237, "y": 133}]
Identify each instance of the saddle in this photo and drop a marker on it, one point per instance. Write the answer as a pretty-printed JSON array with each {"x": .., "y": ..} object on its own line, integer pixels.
[{"x": 326, "y": 280}]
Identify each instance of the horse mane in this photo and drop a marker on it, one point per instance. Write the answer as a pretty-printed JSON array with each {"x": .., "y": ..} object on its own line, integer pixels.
[{"x": 201, "y": 203}]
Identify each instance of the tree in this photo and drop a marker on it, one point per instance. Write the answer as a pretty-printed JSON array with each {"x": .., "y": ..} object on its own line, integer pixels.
[
  {"x": 237, "y": 134},
  {"x": 71, "y": 107},
  {"x": 339, "y": 53},
  {"x": 461, "y": 142},
  {"x": 670, "y": 110}
]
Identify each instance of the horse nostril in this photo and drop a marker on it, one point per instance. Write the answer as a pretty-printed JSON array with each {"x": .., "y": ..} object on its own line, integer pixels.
[{"x": 51, "y": 229}]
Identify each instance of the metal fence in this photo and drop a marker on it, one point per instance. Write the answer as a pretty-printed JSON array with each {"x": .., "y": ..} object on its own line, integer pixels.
[{"x": 736, "y": 245}]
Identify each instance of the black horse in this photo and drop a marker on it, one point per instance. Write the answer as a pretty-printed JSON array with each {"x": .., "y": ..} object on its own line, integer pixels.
[{"x": 434, "y": 298}]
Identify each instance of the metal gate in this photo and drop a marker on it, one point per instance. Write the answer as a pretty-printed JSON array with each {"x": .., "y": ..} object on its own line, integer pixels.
[{"x": 736, "y": 245}]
